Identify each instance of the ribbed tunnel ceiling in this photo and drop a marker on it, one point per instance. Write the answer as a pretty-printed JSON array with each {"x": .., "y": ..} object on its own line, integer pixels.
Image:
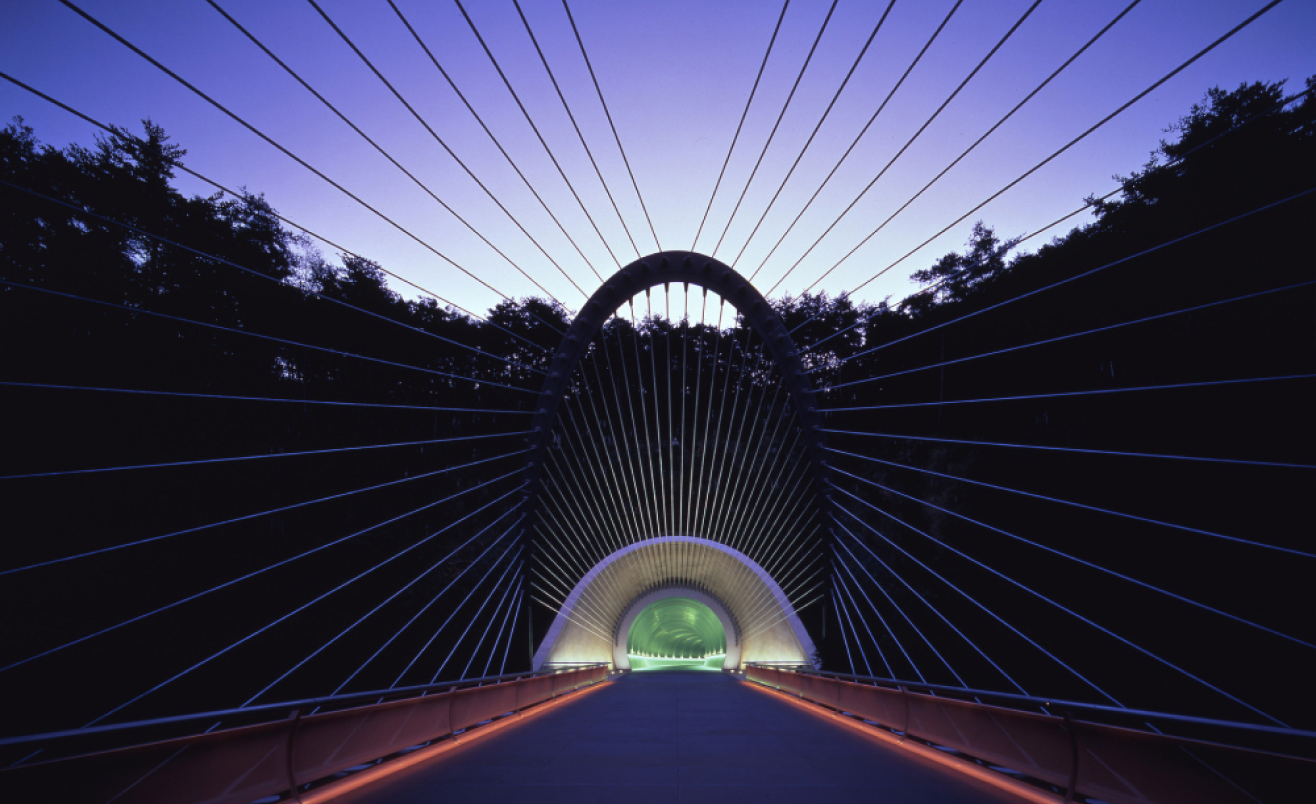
[{"x": 677, "y": 627}]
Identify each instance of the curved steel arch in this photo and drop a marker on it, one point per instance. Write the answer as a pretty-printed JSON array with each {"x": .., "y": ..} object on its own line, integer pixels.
[{"x": 664, "y": 268}]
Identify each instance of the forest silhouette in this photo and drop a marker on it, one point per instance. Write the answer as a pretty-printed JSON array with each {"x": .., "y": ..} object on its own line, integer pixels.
[{"x": 142, "y": 327}]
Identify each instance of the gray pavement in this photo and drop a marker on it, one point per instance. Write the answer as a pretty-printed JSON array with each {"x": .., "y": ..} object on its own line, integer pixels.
[{"x": 677, "y": 735}]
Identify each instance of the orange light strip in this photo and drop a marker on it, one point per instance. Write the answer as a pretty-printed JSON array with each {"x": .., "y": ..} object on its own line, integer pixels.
[
  {"x": 1015, "y": 787},
  {"x": 371, "y": 775}
]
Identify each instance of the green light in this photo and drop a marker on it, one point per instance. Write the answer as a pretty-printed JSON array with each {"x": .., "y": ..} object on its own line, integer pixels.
[{"x": 675, "y": 630}]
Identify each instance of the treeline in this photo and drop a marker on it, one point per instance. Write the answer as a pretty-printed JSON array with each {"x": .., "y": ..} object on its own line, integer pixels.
[
  {"x": 112, "y": 279},
  {"x": 1193, "y": 283}
]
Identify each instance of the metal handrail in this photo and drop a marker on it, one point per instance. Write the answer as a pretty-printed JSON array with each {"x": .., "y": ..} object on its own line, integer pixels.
[
  {"x": 1033, "y": 701},
  {"x": 328, "y": 701}
]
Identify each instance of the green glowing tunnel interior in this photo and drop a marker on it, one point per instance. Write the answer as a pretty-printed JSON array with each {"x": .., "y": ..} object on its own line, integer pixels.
[{"x": 677, "y": 628}]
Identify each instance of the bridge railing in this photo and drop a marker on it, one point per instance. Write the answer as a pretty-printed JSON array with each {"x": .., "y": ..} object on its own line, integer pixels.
[
  {"x": 1081, "y": 748},
  {"x": 275, "y": 749}
]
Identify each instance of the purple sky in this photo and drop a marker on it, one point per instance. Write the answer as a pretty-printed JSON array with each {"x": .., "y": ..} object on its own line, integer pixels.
[{"x": 676, "y": 76}]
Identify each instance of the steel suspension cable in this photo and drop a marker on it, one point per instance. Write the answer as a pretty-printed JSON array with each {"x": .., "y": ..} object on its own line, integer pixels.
[
  {"x": 600, "y": 482},
  {"x": 771, "y": 511},
  {"x": 478, "y": 119},
  {"x": 625, "y": 501},
  {"x": 562, "y": 546},
  {"x": 1171, "y": 163},
  {"x": 571, "y": 531},
  {"x": 726, "y": 484},
  {"x": 692, "y": 509},
  {"x": 567, "y": 108},
  {"x": 845, "y": 587},
  {"x": 664, "y": 508},
  {"x": 516, "y": 613},
  {"x": 304, "y": 606},
  {"x": 736, "y": 137},
  {"x": 646, "y": 463},
  {"x": 776, "y": 125},
  {"x": 557, "y": 551},
  {"x": 248, "y": 575},
  {"x": 571, "y": 512},
  {"x": 584, "y": 605},
  {"x": 1076, "y": 559},
  {"x": 303, "y": 453},
  {"x": 282, "y": 149},
  {"x": 478, "y": 611},
  {"x": 591, "y": 518},
  {"x": 122, "y": 135},
  {"x": 449, "y": 619},
  {"x": 441, "y": 592},
  {"x": 794, "y": 612},
  {"x": 918, "y": 133},
  {"x": 645, "y": 479},
  {"x": 549, "y": 151},
  {"x": 1010, "y": 114},
  {"x": 684, "y": 501},
  {"x": 1058, "y": 500},
  {"x": 1094, "y": 392},
  {"x": 837, "y": 607},
  {"x": 238, "y": 398},
  {"x": 762, "y": 476},
  {"x": 1072, "y": 335},
  {"x": 701, "y": 497},
  {"x": 1074, "y": 614},
  {"x": 365, "y": 616},
  {"x": 835, "y": 97},
  {"x": 433, "y": 134},
  {"x": 760, "y": 510},
  {"x": 259, "y": 514},
  {"x": 962, "y": 593},
  {"x": 269, "y": 278},
  {"x": 250, "y": 334},
  {"x": 1058, "y": 283},
  {"x": 755, "y": 437},
  {"x": 480, "y": 644},
  {"x": 655, "y": 476},
  {"x": 356, "y": 128},
  {"x": 921, "y": 598},
  {"x": 558, "y": 610},
  {"x": 616, "y": 137},
  {"x": 855, "y": 604},
  {"x": 1057, "y": 153},
  {"x": 868, "y": 670},
  {"x": 890, "y": 94}
]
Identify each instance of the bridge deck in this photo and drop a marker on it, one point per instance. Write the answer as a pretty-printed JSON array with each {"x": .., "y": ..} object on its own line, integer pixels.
[{"x": 676, "y": 735}]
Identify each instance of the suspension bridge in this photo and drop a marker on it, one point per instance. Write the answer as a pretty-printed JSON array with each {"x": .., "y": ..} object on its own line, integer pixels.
[{"x": 276, "y": 533}]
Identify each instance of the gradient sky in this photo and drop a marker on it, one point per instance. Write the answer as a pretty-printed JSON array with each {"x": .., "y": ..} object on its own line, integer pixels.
[{"x": 676, "y": 76}]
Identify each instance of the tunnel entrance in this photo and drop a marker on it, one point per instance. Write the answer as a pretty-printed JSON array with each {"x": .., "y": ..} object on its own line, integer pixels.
[{"x": 676, "y": 631}]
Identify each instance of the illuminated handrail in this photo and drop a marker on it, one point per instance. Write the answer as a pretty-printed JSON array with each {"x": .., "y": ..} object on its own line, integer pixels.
[
  {"x": 290, "y": 744},
  {"x": 1024, "y": 702},
  {"x": 1112, "y": 763}
]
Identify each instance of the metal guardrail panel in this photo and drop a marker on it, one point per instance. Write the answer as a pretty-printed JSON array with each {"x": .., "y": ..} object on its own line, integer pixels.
[
  {"x": 533, "y": 690},
  {"x": 328, "y": 742},
  {"x": 224, "y": 767},
  {"x": 1114, "y": 764},
  {"x": 480, "y": 704},
  {"x": 874, "y": 703},
  {"x": 239, "y": 765}
]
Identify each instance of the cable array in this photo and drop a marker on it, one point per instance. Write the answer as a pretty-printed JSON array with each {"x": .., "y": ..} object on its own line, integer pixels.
[{"x": 941, "y": 549}]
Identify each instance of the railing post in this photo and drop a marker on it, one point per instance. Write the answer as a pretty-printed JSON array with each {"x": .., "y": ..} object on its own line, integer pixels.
[
  {"x": 904, "y": 696},
  {"x": 296, "y": 718},
  {"x": 1073, "y": 747}
]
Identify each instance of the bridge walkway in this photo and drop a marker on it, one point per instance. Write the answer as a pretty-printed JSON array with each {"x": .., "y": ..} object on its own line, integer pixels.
[{"x": 676, "y": 735}]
